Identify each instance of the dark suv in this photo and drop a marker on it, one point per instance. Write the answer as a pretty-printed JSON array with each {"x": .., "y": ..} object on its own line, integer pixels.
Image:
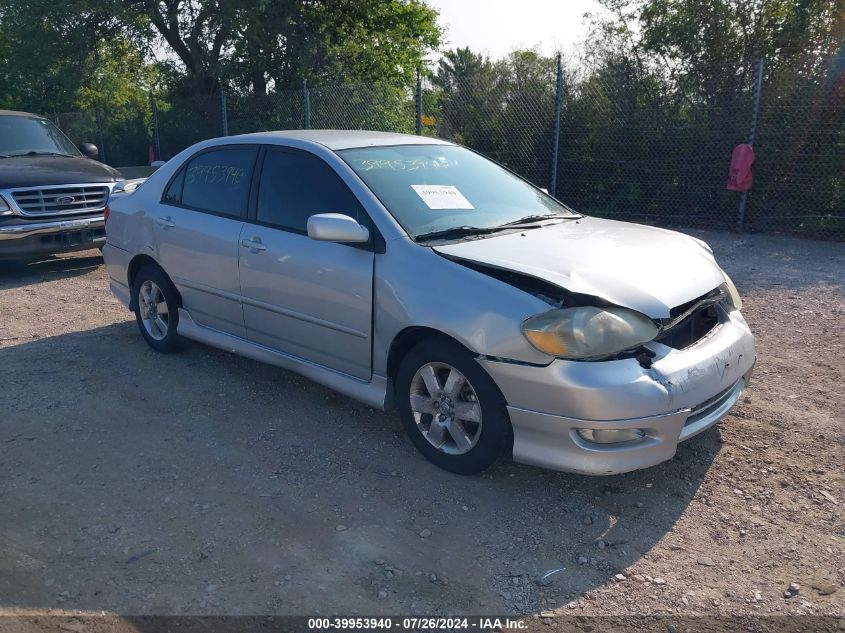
[{"x": 52, "y": 195}]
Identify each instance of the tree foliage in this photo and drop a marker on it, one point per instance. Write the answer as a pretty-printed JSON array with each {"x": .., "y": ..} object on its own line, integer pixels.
[
  {"x": 676, "y": 80},
  {"x": 662, "y": 92},
  {"x": 107, "y": 56},
  {"x": 250, "y": 44}
]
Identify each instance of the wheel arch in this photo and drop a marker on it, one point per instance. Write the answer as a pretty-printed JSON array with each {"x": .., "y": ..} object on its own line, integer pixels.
[
  {"x": 402, "y": 343},
  {"x": 135, "y": 266},
  {"x": 410, "y": 337}
]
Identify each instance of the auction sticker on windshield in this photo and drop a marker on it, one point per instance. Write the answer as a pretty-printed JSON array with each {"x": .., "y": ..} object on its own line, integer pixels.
[{"x": 442, "y": 197}]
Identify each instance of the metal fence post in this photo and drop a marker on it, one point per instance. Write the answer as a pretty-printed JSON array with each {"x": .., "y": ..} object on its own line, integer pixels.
[
  {"x": 752, "y": 137},
  {"x": 156, "y": 141},
  {"x": 224, "y": 115},
  {"x": 98, "y": 119},
  {"x": 418, "y": 105},
  {"x": 556, "y": 129},
  {"x": 306, "y": 105}
]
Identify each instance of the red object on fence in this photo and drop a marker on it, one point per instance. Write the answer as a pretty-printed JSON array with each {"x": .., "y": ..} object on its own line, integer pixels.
[
  {"x": 739, "y": 175},
  {"x": 152, "y": 155}
]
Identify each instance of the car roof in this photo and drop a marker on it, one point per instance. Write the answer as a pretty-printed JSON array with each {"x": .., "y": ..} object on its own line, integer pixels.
[
  {"x": 341, "y": 139},
  {"x": 16, "y": 113}
]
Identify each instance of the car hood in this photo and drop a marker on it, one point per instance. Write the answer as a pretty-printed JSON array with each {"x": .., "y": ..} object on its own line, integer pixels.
[
  {"x": 38, "y": 171},
  {"x": 644, "y": 268}
]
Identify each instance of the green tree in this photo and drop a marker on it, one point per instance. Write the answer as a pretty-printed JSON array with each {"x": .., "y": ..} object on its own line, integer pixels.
[
  {"x": 469, "y": 97},
  {"x": 669, "y": 90},
  {"x": 503, "y": 109},
  {"x": 250, "y": 43},
  {"x": 254, "y": 43},
  {"x": 43, "y": 53}
]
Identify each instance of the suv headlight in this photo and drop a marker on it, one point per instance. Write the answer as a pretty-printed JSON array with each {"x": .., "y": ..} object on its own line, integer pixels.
[
  {"x": 4, "y": 207},
  {"x": 588, "y": 332},
  {"x": 733, "y": 293}
]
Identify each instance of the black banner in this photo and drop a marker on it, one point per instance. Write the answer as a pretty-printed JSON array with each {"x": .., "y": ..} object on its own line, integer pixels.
[{"x": 549, "y": 622}]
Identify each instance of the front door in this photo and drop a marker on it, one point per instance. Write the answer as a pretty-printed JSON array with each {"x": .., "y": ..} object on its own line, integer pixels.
[
  {"x": 197, "y": 227},
  {"x": 306, "y": 298}
]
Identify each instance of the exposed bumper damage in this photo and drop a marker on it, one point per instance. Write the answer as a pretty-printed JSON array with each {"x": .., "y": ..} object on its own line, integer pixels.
[{"x": 682, "y": 393}]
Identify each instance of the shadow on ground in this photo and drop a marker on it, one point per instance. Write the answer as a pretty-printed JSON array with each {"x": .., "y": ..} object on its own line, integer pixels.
[
  {"x": 18, "y": 273},
  {"x": 204, "y": 483}
]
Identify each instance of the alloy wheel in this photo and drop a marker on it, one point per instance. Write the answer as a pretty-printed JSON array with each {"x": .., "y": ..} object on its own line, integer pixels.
[
  {"x": 445, "y": 408},
  {"x": 154, "y": 310}
]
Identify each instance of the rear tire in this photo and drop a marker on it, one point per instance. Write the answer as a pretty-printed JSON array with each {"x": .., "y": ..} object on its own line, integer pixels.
[
  {"x": 156, "y": 302},
  {"x": 451, "y": 409}
]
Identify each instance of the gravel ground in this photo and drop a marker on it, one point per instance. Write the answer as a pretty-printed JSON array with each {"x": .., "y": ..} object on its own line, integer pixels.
[{"x": 203, "y": 483}]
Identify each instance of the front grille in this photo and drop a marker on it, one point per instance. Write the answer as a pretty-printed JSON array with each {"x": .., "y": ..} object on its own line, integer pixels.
[
  {"x": 692, "y": 321},
  {"x": 691, "y": 329},
  {"x": 709, "y": 406},
  {"x": 61, "y": 200}
]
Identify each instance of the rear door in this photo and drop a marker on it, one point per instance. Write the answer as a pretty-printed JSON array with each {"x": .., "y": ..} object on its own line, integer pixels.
[
  {"x": 303, "y": 297},
  {"x": 197, "y": 227}
]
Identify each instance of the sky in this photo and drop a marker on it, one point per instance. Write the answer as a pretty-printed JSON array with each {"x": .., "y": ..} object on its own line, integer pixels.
[{"x": 497, "y": 27}]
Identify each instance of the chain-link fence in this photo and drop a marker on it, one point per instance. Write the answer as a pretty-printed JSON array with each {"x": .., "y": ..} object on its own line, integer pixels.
[
  {"x": 646, "y": 151},
  {"x": 617, "y": 143}
]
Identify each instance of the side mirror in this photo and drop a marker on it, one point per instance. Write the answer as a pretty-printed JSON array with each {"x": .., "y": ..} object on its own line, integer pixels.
[
  {"x": 90, "y": 150},
  {"x": 336, "y": 227}
]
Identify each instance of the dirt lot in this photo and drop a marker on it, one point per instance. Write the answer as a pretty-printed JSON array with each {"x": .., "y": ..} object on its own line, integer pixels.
[{"x": 204, "y": 483}]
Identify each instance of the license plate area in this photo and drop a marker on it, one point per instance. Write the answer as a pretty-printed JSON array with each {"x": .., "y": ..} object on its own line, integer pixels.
[
  {"x": 75, "y": 238},
  {"x": 71, "y": 238}
]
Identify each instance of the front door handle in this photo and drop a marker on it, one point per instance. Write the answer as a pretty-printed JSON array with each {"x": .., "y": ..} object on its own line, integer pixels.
[
  {"x": 254, "y": 245},
  {"x": 166, "y": 222}
]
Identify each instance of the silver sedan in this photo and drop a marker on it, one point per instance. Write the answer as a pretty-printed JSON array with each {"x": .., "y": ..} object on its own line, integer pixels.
[{"x": 413, "y": 273}]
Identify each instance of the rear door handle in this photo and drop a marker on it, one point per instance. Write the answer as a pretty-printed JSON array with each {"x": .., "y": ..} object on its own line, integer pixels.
[
  {"x": 254, "y": 245},
  {"x": 165, "y": 223}
]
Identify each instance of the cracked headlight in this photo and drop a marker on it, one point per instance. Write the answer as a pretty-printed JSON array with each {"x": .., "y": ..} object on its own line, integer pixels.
[
  {"x": 733, "y": 293},
  {"x": 588, "y": 332}
]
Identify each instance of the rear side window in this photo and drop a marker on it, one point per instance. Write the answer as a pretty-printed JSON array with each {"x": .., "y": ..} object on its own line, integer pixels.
[
  {"x": 296, "y": 185},
  {"x": 218, "y": 181},
  {"x": 173, "y": 195}
]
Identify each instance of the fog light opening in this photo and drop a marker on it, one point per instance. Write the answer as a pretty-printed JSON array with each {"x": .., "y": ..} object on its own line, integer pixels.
[{"x": 611, "y": 436}]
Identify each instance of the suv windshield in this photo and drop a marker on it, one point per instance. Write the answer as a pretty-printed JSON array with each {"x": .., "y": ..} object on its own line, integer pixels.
[
  {"x": 21, "y": 135},
  {"x": 434, "y": 188}
]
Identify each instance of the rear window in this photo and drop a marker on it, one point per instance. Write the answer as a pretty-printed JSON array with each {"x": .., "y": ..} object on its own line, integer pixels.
[
  {"x": 173, "y": 195},
  {"x": 217, "y": 181}
]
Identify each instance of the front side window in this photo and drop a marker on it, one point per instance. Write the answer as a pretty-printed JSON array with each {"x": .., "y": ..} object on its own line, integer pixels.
[
  {"x": 430, "y": 188},
  {"x": 218, "y": 181},
  {"x": 296, "y": 185},
  {"x": 22, "y": 135}
]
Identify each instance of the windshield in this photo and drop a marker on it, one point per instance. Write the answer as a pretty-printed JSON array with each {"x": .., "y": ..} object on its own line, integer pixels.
[
  {"x": 432, "y": 188},
  {"x": 20, "y": 135}
]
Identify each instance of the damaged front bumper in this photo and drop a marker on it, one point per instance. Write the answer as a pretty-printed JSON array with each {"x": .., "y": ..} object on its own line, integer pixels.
[{"x": 683, "y": 393}]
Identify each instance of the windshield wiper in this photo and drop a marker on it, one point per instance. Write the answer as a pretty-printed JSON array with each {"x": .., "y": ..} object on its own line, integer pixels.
[
  {"x": 457, "y": 231},
  {"x": 537, "y": 218},
  {"x": 44, "y": 154}
]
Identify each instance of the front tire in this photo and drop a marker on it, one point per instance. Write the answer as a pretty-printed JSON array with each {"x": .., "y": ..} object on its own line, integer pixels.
[
  {"x": 451, "y": 409},
  {"x": 156, "y": 309}
]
